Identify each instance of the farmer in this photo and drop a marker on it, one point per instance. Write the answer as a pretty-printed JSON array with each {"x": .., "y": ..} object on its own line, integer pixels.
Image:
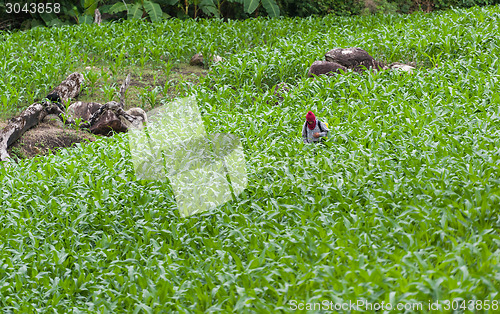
[{"x": 313, "y": 129}]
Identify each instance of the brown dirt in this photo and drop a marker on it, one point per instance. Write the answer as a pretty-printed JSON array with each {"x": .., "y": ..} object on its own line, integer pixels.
[
  {"x": 143, "y": 83},
  {"x": 46, "y": 138}
]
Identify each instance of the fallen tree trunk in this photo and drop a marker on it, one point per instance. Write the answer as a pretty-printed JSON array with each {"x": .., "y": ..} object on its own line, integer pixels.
[
  {"x": 69, "y": 88},
  {"x": 35, "y": 113},
  {"x": 103, "y": 119}
]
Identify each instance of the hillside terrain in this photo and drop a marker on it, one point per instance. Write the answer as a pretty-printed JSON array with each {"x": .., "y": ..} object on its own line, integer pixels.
[{"x": 400, "y": 205}]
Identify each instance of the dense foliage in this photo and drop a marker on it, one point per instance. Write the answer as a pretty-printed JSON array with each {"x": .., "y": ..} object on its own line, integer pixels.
[
  {"x": 82, "y": 11},
  {"x": 401, "y": 204}
]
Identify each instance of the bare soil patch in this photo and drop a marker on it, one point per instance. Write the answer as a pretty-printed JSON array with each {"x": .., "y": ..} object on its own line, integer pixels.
[
  {"x": 45, "y": 139},
  {"x": 147, "y": 85}
]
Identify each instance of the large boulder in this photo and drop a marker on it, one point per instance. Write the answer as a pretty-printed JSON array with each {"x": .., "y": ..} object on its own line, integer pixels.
[
  {"x": 355, "y": 59},
  {"x": 108, "y": 123},
  {"x": 116, "y": 121},
  {"x": 325, "y": 68}
]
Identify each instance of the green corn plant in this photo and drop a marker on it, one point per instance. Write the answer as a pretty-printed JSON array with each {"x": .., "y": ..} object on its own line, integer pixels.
[
  {"x": 434, "y": 60},
  {"x": 401, "y": 203},
  {"x": 167, "y": 68},
  {"x": 150, "y": 96},
  {"x": 105, "y": 75},
  {"x": 78, "y": 123},
  {"x": 109, "y": 91},
  {"x": 91, "y": 79},
  {"x": 66, "y": 104},
  {"x": 117, "y": 65}
]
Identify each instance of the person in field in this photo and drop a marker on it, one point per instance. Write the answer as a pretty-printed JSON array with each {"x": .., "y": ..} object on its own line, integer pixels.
[{"x": 313, "y": 129}]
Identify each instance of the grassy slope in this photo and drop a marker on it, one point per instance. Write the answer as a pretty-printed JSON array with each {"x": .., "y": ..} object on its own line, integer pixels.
[{"x": 401, "y": 205}]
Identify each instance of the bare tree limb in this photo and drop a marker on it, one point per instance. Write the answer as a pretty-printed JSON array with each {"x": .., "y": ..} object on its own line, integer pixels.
[
  {"x": 123, "y": 89},
  {"x": 97, "y": 17}
]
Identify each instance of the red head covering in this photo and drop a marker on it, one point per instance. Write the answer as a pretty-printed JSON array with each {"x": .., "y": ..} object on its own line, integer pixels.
[{"x": 310, "y": 117}]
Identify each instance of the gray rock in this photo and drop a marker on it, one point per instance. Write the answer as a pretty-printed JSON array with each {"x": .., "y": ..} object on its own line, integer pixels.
[
  {"x": 70, "y": 87},
  {"x": 325, "y": 68},
  {"x": 355, "y": 59},
  {"x": 140, "y": 121},
  {"x": 401, "y": 67},
  {"x": 108, "y": 123},
  {"x": 217, "y": 59},
  {"x": 197, "y": 60}
]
